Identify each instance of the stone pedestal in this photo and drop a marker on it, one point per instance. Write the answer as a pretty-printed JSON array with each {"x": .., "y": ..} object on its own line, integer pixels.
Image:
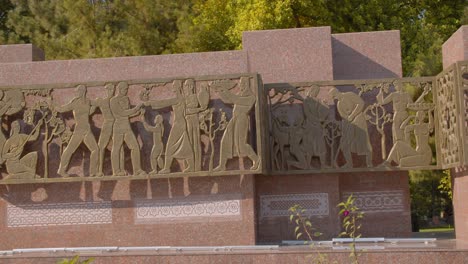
[{"x": 453, "y": 50}]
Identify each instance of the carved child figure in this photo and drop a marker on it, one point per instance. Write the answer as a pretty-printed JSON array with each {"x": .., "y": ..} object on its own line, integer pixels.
[{"x": 158, "y": 146}]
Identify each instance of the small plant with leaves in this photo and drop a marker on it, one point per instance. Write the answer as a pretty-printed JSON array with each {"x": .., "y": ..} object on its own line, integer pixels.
[
  {"x": 351, "y": 217},
  {"x": 305, "y": 230}
]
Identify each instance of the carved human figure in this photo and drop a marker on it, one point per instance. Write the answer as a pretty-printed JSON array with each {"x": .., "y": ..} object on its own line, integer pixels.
[
  {"x": 4, "y": 106},
  {"x": 296, "y": 147},
  {"x": 234, "y": 141},
  {"x": 403, "y": 153},
  {"x": 107, "y": 125},
  {"x": 122, "y": 132},
  {"x": 178, "y": 144},
  {"x": 82, "y": 109},
  {"x": 158, "y": 146},
  {"x": 25, "y": 167},
  {"x": 280, "y": 134},
  {"x": 315, "y": 114},
  {"x": 400, "y": 100},
  {"x": 354, "y": 133},
  {"x": 194, "y": 105}
]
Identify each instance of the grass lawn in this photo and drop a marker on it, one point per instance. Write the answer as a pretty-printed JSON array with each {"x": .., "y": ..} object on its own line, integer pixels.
[{"x": 438, "y": 229}]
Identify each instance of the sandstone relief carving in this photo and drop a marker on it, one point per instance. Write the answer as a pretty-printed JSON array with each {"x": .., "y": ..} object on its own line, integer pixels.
[
  {"x": 213, "y": 125},
  {"x": 132, "y": 129},
  {"x": 355, "y": 125}
]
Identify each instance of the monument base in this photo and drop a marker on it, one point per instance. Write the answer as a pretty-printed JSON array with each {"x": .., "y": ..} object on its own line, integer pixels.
[{"x": 214, "y": 211}]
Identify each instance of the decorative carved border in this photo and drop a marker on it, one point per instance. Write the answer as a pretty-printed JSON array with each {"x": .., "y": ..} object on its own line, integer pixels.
[
  {"x": 56, "y": 214},
  {"x": 378, "y": 202},
  {"x": 190, "y": 209},
  {"x": 315, "y": 204}
]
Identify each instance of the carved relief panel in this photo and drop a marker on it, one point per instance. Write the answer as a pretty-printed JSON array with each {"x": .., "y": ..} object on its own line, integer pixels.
[
  {"x": 351, "y": 125},
  {"x": 180, "y": 127}
]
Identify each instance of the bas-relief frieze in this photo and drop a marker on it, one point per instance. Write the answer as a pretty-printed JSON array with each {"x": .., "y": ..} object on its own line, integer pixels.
[
  {"x": 225, "y": 125},
  {"x": 179, "y": 127},
  {"x": 361, "y": 125}
]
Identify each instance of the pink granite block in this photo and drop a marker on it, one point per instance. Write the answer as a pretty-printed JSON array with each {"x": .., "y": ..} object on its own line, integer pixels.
[
  {"x": 460, "y": 208},
  {"x": 20, "y": 53},
  {"x": 290, "y": 55},
  {"x": 456, "y": 47},
  {"x": 366, "y": 55},
  {"x": 124, "y": 68}
]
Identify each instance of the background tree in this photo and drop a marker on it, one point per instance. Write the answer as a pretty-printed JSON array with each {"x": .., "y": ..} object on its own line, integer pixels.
[{"x": 69, "y": 29}]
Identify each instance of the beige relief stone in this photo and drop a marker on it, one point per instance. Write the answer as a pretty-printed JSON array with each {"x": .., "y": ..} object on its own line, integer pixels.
[
  {"x": 357, "y": 125},
  {"x": 153, "y": 128},
  {"x": 213, "y": 125}
]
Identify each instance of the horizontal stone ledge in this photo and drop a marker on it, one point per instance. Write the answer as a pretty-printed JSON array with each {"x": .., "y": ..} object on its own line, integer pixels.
[{"x": 129, "y": 177}]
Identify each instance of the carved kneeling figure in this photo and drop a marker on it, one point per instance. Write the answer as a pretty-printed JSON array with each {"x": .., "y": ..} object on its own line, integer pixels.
[{"x": 25, "y": 167}]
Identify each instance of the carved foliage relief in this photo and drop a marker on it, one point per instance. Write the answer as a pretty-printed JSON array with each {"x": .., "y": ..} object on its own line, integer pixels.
[
  {"x": 348, "y": 126},
  {"x": 149, "y": 128},
  {"x": 449, "y": 147}
]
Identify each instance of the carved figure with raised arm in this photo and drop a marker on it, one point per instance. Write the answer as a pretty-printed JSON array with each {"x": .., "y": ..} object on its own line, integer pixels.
[
  {"x": 158, "y": 146},
  {"x": 20, "y": 167},
  {"x": 354, "y": 136},
  {"x": 194, "y": 105},
  {"x": 82, "y": 109},
  {"x": 403, "y": 153},
  {"x": 122, "y": 132},
  {"x": 234, "y": 141},
  {"x": 400, "y": 100},
  {"x": 108, "y": 123},
  {"x": 178, "y": 144}
]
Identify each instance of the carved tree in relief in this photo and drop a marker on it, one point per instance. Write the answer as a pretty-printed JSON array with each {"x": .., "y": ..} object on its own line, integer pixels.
[
  {"x": 54, "y": 126},
  {"x": 210, "y": 129},
  {"x": 378, "y": 116},
  {"x": 332, "y": 135}
]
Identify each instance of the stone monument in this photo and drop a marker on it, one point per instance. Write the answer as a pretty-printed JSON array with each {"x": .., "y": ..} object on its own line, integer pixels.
[{"x": 213, "y": 148}]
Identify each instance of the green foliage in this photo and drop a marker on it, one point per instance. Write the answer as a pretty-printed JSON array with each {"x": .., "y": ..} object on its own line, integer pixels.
[
  {"x": 445, "y": 184},
  {"x": 87, "y": 29},
  {"x": 430, "y": 194},
  {"x": 424, "y": 25},
  {"x": 350, "y": 223},
  {"x": 91, "y": 28},
  {"x": 305, "y": 231},
  {"x": 304, "y": 227},
  {"x": 76, "y": 260}
]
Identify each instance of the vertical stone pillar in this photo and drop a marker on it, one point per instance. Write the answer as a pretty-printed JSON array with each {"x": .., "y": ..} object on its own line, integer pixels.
[
  {"x": 314, "y": 54},
  {"x": 20, "y": 53},
  {"x": 453, "y": 50}
]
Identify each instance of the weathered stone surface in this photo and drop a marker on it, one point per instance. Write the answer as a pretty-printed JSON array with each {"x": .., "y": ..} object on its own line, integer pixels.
[
  {"x": 456, "y": 47},
  {"x": 453, "y": 50},
  {"x": 291, "y": 55},
  {"x": 366, "y": 55},
  {"x": 279, "y": 56},
  {"x": 20, "y": 53}
]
